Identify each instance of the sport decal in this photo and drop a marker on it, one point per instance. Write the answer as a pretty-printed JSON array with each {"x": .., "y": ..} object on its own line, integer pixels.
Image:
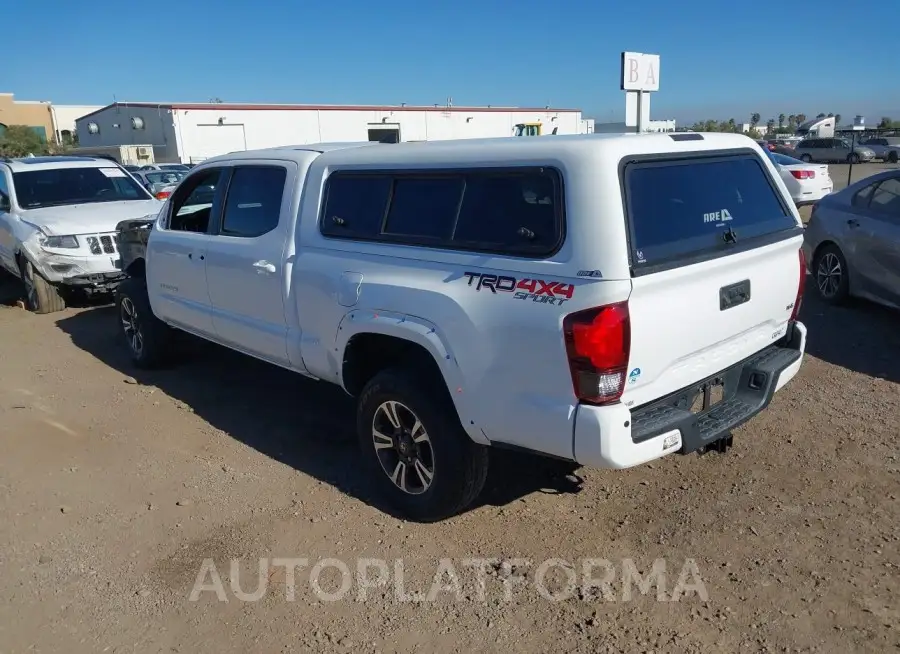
[{"x": 536, "y": 290}]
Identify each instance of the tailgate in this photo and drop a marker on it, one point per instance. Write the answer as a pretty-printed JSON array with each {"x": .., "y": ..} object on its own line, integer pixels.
[{"x": 715, "y": 267}]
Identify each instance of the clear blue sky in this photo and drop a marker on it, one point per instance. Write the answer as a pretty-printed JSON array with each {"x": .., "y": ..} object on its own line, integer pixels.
[{"x": 718, "y": 58}]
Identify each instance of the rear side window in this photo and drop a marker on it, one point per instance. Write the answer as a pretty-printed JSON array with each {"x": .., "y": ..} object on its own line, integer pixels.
[
  {"x": 517, "y": 212},
  {"x": 253, "y": 204},
  {"x": 695, "y": 207}
]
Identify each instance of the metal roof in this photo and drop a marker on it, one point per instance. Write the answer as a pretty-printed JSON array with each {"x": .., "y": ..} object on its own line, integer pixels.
[{"x": 232, "y": 106}]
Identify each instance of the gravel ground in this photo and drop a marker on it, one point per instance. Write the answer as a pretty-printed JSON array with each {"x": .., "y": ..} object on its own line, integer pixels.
[{"x": 117, "y": 485}]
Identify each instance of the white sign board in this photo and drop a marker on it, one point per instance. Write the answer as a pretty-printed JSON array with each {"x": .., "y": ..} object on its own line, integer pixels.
[{"x": 640, "y": 72}]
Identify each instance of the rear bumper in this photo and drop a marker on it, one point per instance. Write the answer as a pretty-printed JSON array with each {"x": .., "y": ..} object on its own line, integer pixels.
[
  {"x": 807, "y": 198},
  {"x": 616, "y": 437}
]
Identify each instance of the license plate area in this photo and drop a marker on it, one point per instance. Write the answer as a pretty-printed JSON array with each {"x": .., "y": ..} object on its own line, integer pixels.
[
  {"x": 707, "y": 396},
  {"x": 734, "y": 295}
]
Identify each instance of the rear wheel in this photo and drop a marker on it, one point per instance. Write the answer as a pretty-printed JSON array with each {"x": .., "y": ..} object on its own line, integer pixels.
[
  {"x": 423, "y": 462},
  {"x": 40, "y": 295},
  {"x": 806, "y": 157},
  {"x": 148, "y": 339},
  {"x": 831, "y": 275},
  {"x": 853, "y": 158}
]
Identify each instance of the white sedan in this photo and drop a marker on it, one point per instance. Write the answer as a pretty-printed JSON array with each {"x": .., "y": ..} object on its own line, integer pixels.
[{"x": 807, "y": 182}]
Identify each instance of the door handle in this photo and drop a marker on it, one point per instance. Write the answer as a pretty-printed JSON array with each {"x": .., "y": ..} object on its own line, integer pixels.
[
  {"x": 853, "y": 222},
  {"x": 265, "y": 266}
]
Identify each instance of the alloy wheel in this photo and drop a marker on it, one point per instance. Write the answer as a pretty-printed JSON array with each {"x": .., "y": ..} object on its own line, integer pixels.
[
  {"x": 829, "y": 275},
  {"x": 403, "y": 447},
  {"x": 131, "y": 326}
]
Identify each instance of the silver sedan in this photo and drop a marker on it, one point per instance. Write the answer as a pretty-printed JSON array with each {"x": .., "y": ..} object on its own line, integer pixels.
[{"x": 853, "y": 241}]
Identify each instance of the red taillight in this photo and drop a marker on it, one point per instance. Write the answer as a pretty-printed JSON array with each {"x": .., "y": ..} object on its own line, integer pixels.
[
  {"x": 162, "y": 195},
  {"x": 801, "y": 286},
  {"x": 803, "y": 174},
  {"x": 598, "y": 342}
]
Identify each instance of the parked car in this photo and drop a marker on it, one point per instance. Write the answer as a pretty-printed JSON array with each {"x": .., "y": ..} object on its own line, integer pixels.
[
  {"x": 853, "y": 241},
  {"x": 825, "y": 150},
  {"x": 160, "y": 182},
  {"x": 131, "y": 168},
  {"x": 57, "y": 224},
  {"x": 165, "y": 166},
  {"x": 432, "y": 287},
  {"x": 886, "y": 148},
  {"x": 806, "y": 182}
]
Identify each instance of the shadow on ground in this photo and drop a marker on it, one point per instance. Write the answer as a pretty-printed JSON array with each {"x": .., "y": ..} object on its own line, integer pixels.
[
  {"x": 307, "y": 425},
  {"x": 860, "y": 336},
  {"x": 310, "y": 425}
]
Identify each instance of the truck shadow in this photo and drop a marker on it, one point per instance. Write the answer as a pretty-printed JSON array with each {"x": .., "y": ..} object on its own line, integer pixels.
[
  {"x": 307, "y": 425},
  {"x": 861, "y": 336}
]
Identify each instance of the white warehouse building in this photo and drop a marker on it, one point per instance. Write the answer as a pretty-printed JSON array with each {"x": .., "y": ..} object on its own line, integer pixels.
[{"x": 188, "y": 133}]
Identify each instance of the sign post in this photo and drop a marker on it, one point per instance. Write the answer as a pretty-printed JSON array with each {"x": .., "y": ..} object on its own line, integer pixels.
[
  {"x": 640, "y": 76},
  {"x": 859, "y": 125}
]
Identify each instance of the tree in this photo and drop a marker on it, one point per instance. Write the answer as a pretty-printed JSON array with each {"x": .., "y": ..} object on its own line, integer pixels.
[
  {"x": 20, "y": 141},
  {"x": 732, "y": 126},
  {"x": 837, "y": 120},
  {"x": 885, "y": 122},
  {"x": 820, "y": 116},
  {"x": 780, "y": 121},
  {"x": 791, "y": 120},
  {"x": 770, "y": 125},
  {"x": 754, "y": 120},
  {"x": 801, "y": 118}
]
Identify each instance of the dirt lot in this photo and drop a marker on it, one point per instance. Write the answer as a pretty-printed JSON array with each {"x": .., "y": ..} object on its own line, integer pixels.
[{"x": 116, "y": 485}]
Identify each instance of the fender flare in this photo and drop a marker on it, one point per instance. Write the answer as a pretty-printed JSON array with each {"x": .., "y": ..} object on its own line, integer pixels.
[{"x": 423, "y": 333}]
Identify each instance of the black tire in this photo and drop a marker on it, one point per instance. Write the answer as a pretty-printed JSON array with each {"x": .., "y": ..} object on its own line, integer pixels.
[
  {"x": 830, "y": 274},
  {"x": 147, "y": 338},
  {"x": 806, "y": 157},
  {"x": 853, "y": 158},
  {"x": 893, "y": 157},
  {"x": 458, "y": 466},
  {"x": 40, "y": 295}
]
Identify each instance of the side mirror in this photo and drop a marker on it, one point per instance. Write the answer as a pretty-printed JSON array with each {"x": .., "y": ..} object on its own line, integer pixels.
[{"x": 4, "y": 204}]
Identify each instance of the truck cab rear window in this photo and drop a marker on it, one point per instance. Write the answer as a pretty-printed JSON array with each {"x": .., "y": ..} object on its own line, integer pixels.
[{"x": 683, "y": 208}]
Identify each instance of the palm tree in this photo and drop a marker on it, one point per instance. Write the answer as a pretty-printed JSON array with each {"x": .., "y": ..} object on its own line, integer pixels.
[
  {"x": 791, "y": 120},
  {"x": 780, "y": 121},
  {"x": 770, "y": 125},
  {"x": 732, "y": 126},
  {"x": 754, "y": 120},
  {"x": 801, "y": 118},
  {"x": 820, "y": 116},
  {"x": 837, "y": 120}
]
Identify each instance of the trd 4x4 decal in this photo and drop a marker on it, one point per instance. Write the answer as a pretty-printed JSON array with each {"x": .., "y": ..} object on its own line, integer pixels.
[{"x": 536, "y": 290}]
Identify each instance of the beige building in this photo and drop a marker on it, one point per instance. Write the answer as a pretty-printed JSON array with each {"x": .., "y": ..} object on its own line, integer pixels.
[{"x": 35, "y": 114}]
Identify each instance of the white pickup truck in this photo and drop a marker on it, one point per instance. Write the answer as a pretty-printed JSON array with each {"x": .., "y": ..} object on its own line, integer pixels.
[{"x": 606, "y": 300}]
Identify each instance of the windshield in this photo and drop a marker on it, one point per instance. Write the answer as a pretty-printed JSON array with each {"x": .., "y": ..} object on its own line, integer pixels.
[
  {"x": 167, "y": 177},
  {"x": 60, "y": 186},
  {"x": 173, "y": 167},
  {"x": 782, "y": 159}
]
